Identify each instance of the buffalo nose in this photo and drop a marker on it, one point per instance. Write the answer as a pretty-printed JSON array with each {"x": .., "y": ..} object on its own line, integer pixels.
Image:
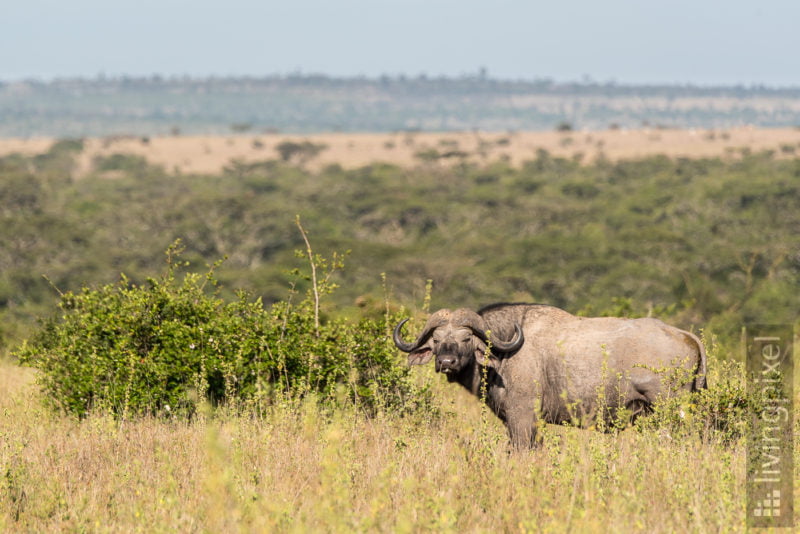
[{"x": 446, "y": 362}]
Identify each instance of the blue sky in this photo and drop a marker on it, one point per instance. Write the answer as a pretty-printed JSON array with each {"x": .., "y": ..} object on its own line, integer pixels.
[{"x": 627, "y": 41}]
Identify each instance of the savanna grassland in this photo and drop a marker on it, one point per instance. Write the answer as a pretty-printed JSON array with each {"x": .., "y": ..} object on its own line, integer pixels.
[
  {"x": 314, "y": 439},
  {"x": 212, "y": 154},
  {"x": 300, "y": 468}
]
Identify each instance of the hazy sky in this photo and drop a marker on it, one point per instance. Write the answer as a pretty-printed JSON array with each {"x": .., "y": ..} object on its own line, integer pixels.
[{"x": 627, "y": 41}]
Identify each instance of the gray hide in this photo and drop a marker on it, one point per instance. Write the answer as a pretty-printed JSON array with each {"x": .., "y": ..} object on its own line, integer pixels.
[{"x": 556, "y": 366}]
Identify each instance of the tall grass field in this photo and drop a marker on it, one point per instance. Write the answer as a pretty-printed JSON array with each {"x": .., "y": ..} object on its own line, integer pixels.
[{"x": 299, "y": 467}]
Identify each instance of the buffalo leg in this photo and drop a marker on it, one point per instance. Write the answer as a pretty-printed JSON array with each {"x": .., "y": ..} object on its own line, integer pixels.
[{"x": 522, "y": 430}]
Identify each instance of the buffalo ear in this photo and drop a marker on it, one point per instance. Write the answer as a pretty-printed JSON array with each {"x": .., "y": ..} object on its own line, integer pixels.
[
  {"x": 420, "y": 356},
  {"x": 480, "y": 355}
]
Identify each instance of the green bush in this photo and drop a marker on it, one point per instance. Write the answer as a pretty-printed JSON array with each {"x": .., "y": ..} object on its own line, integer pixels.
[
  {"x": 121, "y": 162},
  {"x": 301, "y": 151},
  {"x": 722, "y": 412},
  {"x": 168, "y": 345},
  {"x": 708, "y": 242}
]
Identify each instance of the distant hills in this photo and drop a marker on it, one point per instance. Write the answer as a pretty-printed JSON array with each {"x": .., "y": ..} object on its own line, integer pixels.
[{"x": 304, "y": 104}]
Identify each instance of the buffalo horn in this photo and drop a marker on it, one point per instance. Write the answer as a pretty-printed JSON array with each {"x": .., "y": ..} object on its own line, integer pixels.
[
  {"x": 436, "y": 320},
  {"x": 398, "y": 340},
  {"x": 478, "y": 325},
  {"x": 510, "y": 346}
]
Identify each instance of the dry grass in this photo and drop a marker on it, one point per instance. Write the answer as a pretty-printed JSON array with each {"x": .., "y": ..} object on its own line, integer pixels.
[
  {"x": 211, "y": 154},
  {"x": 296, "y": 469}
]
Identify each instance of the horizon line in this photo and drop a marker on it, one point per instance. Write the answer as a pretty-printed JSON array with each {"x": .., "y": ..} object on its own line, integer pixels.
[{"x": 479, "y": 77}]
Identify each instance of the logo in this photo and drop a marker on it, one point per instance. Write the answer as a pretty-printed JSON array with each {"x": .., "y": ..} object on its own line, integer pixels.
[
  {"x": 770, "y": 444},
  {"x": 770, "y": 506}
]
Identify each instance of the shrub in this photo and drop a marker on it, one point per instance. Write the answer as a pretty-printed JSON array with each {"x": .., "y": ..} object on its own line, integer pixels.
[
  {"x": 721, "y": 412},
  {"x": 564, "y": 126},
  {"x": 428, "y": 155},
  {"x": 168, "y": 345},
  {"x": 68, "y": 145},
  {"x": 301, "y": 151},
  {"x": 121, "y": 162}
]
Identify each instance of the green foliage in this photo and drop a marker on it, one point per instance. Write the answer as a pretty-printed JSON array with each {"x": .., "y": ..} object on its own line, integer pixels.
[
  {"x": 564, "y": 126},
  {"x": 300, "y": 151},
  {"x": 722, "y": 412},
  {"x": 427, "y": 155},
  {"x": 121, "y": 162},
  {"x": 69, "y": 145},
  {"x": 702, "y": 242},
  {"x": 166, "y": 346}
]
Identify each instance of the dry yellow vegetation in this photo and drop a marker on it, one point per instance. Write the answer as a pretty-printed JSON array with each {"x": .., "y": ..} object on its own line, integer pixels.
[
  {"x": 299, "y": 469},
  {"x": 195, "y": 154}
]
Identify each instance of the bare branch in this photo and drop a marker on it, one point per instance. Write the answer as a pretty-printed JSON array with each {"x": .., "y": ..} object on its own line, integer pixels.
[{"x": 313, "y": 274}]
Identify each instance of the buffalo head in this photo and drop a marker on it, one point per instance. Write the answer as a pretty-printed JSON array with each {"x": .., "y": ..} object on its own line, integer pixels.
[{"x": 455, "y": 338}]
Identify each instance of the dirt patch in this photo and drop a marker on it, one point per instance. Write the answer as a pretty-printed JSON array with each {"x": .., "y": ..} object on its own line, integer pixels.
[{"x": 195, "y": 154}]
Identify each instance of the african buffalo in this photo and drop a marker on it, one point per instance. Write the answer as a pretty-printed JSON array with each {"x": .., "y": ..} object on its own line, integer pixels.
[{"x": 542, "y": 362}]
